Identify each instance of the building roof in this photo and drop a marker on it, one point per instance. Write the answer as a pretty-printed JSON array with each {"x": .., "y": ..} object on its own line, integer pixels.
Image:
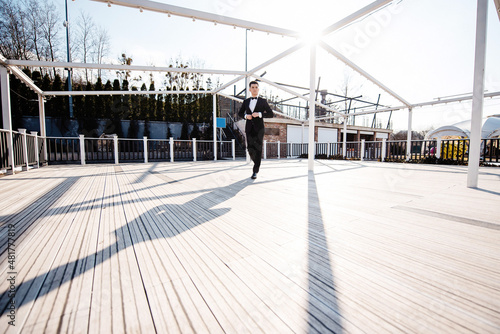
[{"x": 490, "y": 129}]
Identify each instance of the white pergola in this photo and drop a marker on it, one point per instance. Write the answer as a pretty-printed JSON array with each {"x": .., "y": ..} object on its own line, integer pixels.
[{"x": 12, "y": 66}]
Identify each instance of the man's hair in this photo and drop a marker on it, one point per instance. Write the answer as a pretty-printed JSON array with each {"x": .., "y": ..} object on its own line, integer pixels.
[{"x": 253, "y": 83}]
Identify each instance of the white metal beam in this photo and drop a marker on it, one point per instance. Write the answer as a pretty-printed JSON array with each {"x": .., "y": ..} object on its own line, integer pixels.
[
  {"x": 358, "y": 69},
  {"x": 423, "y": 104},
  {"x": 230, "y": 97},
  {"x": 300, "y": 96},
  {"x": 478, "y": 94},
  {"x": 115, "y": 67},
  {"x": 354, "y": 16},
  {"x": 455, "y": 99},
  {"x": 199, "y": 15},
  {"x": 274, "y": 111},
  {"x": 20, "y": 74},
  {"x": 263, "y": 65},
  {"x": 124, "y": 92}
]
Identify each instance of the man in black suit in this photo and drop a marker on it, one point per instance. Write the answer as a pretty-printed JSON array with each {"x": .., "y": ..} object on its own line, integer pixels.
[{"x": 254, "y": 110}]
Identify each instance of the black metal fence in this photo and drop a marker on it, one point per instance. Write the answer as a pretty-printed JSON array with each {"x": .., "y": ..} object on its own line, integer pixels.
[
  {"x": 490, "y": 150},
  {"x": 4, "y": 150},
  {"x": 29, "y": 150},
  {"x": 158, "y": 150},
  {"x": 63, "y": 150}
]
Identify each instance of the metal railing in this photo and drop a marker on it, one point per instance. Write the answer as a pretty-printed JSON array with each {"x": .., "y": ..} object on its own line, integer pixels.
[
  {"x": 158, "y": 149},
  {"x": 4, "y": 149},
  {"x": 63, "y": 149},
  {"x": 490, "y": 150},
  {"x": 30, "y": 150},
  {"x": 131, "y": 150}
]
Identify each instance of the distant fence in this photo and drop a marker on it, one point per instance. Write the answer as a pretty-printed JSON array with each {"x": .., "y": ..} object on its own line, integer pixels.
[
  {"x": 31, "y": 151},
  {"x": 447, "y": 151}
]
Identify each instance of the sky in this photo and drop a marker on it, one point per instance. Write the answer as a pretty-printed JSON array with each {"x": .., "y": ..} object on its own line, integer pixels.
[{"x": 421, "y": 49}]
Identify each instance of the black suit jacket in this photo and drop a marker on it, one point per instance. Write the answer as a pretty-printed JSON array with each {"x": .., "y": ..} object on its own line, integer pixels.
[{"x": 256, "y": 124}]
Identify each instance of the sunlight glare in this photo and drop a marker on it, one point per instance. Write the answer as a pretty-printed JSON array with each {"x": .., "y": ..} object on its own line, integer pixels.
[{"x": 311, "y": 36}]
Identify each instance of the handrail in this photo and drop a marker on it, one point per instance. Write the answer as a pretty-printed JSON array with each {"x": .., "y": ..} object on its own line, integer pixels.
[{"x": 30, "y": 150}]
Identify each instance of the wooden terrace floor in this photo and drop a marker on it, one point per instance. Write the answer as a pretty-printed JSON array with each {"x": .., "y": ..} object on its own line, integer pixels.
[{"x": 184, "y": 247}]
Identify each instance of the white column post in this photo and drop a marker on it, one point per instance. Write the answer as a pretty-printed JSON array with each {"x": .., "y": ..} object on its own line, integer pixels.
[
  {"x": 344, "y": 142},
  {"x": 265, "y": 149},
  {"x": 145, "y": 142},
  {"x": 384, "y": 150},
  {"x": 408, "y": 136},
  {"x": 438, "y": 148},
  {"x": 117, "y": 154},
  {"x": 82, "y": 149},
  {"x": 233, "y": 146},
  {"x": 194, "y": 149},
  {"x": 43, "y": 132},
  {"x": 328, "y": 149},
  {"x": 214, "y": 116},
  {"x": 312, "y": 106},
  {"x": 6, "y": 115},
  {"x": 25, "y": 148},
  {"x": 477, "y": 95},
  {"x": 279, "y": 150},
  {"x": 171, "y": 141},
  {"x": 362, "y": 153},
  {"x": 37, "y": 157}
]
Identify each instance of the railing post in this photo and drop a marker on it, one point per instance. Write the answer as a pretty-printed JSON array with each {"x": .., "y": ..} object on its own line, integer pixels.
[
  {"x": 194, "y": 149},
  {"x": 171, "y": 140},
  {"x": 438, "y": 148},
  {"x": 82, "y": 149},
  {"x": 279, "y": 150},
  {"x": 265, "y": 149},
  {"x": 362, "y": 153},
  {"x": 408, "y": 137},
  {"x": 328, "y": 149},
  {"x": 384, "y": 150},
  {"x": 37, "y": 157},
  {"x": 233, "y": 148},
  {"x": 145, "y": 141},
  {"x": 115, "y": 141},
  {"x": 344, "y": 139},
  {"x": 25, "y": 148}
]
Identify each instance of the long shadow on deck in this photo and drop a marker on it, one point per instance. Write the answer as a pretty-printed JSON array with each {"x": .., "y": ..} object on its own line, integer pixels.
[
  {"x": 163, "y": 221},
  {"x": 324, "y": 311}
]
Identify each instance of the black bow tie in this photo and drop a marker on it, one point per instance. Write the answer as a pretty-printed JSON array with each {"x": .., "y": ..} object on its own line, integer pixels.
[{"x": 253, "y": 98}]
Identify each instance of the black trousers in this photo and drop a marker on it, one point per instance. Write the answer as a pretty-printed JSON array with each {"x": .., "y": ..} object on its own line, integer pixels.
[{"x": 254, "y": 146}]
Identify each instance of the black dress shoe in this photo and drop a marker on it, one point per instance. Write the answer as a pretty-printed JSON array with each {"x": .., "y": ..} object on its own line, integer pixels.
[{"x": 254, "y": 176}]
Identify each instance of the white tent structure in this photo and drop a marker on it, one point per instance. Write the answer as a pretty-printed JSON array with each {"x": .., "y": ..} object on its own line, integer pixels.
[
  {"x": 490, "y": 128},
  {"x": 12, "y": 66}
]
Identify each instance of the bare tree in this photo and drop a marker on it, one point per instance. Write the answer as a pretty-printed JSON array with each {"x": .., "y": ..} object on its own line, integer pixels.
[
  {"x": 86, "y": 40},
  {"x": 102, "y": 46},
  {"x": 15, "y": 41},
  {"x": 349, "y": 88},
  {"x": 50, "y": 29},
  {"x": 34, "y": 18}
]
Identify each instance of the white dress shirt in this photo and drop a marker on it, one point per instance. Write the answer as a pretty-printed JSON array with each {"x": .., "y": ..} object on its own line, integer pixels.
[{"x": 253, "y": 103}]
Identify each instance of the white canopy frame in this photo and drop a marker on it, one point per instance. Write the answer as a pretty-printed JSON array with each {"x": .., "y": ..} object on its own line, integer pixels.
[{"x": 478, "y": 96}]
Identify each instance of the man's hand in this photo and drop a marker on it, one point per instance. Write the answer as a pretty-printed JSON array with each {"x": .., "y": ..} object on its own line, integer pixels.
[
  {"x": 255, "y": 114},
  {"x": 248, "y": 116}
]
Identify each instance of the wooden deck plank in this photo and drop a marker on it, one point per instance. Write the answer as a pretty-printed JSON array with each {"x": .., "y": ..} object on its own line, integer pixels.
[
  {"x": 63, "y": 281},
  {"x": 198, "y": 247},
  {"x": 46, "y": 235},
  {"x": 181, "y": 224}
]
